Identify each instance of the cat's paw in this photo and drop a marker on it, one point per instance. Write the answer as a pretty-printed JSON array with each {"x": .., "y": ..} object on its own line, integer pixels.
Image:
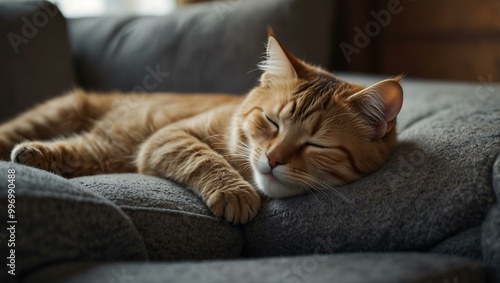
[
  {"x": 31, "y": 154},
  {"x": 237, "y": 205}
]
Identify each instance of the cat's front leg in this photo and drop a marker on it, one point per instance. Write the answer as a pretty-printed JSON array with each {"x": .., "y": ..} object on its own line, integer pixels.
[{"x": 175, "y": 153}]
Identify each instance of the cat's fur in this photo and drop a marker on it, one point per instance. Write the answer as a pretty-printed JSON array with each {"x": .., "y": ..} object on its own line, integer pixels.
[{"x": 301, "y": 129}]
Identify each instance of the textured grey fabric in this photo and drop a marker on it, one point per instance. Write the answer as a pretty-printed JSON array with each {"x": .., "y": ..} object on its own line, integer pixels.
[
  {"x": 212, "y": 47},
  {"x": 58, "y": 221},
  {"x": 35, "y": 60},
  {"x": 465, "y": 244},
  {"x": 342, "y": 268},
  {"x": 174, "y": 223},
  {"x": 437, "y": 184}
]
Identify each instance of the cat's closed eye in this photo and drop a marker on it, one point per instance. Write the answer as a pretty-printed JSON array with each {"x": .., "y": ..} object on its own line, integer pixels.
[
  {"x": 316, "y": 145},
  {"x": 273, "y": 122}
]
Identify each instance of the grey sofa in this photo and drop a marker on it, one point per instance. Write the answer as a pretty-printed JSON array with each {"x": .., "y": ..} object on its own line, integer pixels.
[{"x": 431, "y": 214}]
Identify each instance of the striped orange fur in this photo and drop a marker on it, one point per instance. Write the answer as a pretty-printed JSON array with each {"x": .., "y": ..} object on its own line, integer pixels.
[{"x": 300, "y": 130}]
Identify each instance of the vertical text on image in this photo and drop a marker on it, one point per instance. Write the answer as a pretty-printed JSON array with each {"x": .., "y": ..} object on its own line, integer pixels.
[{"x": 11, "y": 221}]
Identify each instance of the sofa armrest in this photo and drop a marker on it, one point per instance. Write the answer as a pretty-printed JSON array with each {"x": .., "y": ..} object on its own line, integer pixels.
[
  {"x": 53, "y": 220},
  {"x": 35, "y": 55}
]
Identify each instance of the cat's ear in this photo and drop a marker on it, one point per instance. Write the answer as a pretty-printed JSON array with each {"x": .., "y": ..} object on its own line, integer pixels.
[
  {"x": 279, "y": 63},
  {"x": 380, "y": 104}
]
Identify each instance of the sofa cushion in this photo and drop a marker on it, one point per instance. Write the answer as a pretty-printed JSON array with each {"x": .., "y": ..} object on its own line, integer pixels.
[
  {"x": 341, "y": 268},
  {"x": 174, "y": 223},
  {"x": 35, "y": 57},
  {"x": 210, "y": 47},
  {"x": 58, "y": 221},
  {"x": 437, "y": 183}
]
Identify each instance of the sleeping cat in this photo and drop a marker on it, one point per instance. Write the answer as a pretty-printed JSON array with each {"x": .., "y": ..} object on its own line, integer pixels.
[{"x": 300, "y": 130}]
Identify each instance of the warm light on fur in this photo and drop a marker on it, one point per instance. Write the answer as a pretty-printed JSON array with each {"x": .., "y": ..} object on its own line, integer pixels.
[{"x": 300, "y": 130}]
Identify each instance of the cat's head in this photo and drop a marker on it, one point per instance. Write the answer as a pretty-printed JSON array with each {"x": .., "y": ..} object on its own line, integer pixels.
[{"x": 308, "y": 130}]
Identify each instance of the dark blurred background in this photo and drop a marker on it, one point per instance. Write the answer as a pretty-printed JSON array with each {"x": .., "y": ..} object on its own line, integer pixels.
[
  {"x": 456, "y": 40},
  {"x": 447, "y": 39}
]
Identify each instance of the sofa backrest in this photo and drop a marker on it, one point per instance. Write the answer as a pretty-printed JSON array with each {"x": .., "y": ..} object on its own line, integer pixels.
[{"x": 209, "y": 47}]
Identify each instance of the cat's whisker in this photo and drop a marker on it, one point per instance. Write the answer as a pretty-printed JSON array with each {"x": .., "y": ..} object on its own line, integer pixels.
[
  {"x": 228, "y": 149},
  {"x": 328, "y": 187},
  {"x": 244, "y": 164},
  {"x": 311, "y": 188},
  {"x": 243, "y": 149},
  {"x": 221, "y": 141},
  {"x": 324, "y": 187},
  {"x": 243, "y": 153},
  {"x": 243, "y": 144},
  {"x": 214, "y": 137},
  {"x": 309, "y": 191},
  {"x": 304, "y": 183},
  {"x": 238, "y": 141},
  {"x": 242, "y": 156},
  {"x": 253, "y": 70}
]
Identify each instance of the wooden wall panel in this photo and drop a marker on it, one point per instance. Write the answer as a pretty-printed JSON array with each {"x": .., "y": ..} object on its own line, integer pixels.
[
  {"x": 464, "y": 61},
  {"x": 431, "y": 16},
  {"x": 445, "y": 39},
  {"x": 349, "y": 15}
]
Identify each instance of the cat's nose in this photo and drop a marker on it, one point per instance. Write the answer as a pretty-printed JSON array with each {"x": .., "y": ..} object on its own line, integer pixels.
[{"x": 274, "y": 159}]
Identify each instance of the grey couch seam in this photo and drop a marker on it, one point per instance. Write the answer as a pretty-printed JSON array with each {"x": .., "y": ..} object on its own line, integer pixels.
[
  {"x": 489, "y": 227},
  {"x": 66, "y": 196},
  {"x": 171, "y": 211}
]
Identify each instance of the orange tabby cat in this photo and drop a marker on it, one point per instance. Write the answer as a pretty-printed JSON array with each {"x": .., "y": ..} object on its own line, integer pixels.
[{"x": 301, "y": 129}]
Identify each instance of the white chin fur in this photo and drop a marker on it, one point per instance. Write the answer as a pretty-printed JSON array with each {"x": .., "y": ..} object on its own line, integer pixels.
[{"x": 275, "y": 189}]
